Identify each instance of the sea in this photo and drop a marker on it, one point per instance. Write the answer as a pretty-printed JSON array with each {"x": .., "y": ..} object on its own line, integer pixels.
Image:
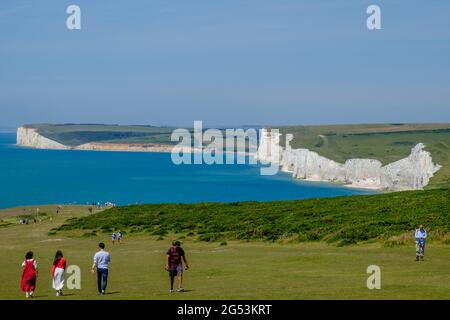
[{"x": 38, "y": 177}]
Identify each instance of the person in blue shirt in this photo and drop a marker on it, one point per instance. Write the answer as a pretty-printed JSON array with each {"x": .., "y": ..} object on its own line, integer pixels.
[
  {"x": 101, "y": 262},
  {"x": 113, "y": 238},
  {"x": 421, "y": 236},
  {"x": 119, "y": 236}
]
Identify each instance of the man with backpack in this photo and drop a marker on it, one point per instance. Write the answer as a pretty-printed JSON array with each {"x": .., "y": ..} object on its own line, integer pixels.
[{"x": 174, "y": 264}]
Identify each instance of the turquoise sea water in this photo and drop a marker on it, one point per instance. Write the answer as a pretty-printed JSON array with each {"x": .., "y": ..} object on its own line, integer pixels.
[{"x": 29, "y": 177}]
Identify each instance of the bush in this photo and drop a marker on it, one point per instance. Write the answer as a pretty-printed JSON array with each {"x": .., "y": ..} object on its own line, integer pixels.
[
  {"x": 340, "y": 220},
  {"x": 90, "y": 234}
]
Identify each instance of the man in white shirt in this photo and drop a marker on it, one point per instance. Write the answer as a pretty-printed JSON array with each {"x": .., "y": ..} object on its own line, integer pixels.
[
  {"x": 421, "y": 236},
  {"x": 101, "y": 262}
]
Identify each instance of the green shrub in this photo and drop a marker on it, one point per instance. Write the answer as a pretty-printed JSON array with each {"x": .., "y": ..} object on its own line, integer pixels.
[
  {"x": 340, "y": 220},
  {"x": 89, "y": 234}
]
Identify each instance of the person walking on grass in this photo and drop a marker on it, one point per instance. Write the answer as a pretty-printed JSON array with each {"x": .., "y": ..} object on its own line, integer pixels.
[
  {"x": 58, "y": 269},
  {"x": 113, "y": 238},
  {"x": 174, "y": 264},
  {"x": 119, "y": 236},
  {"x": 101, "y": 262},
  {"x": 29, "y": 275},
  {"x": 421, "y": 236}
]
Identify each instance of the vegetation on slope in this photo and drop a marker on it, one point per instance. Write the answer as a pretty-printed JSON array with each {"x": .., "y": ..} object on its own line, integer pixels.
[
  {"x": 340, "y": 220},
  {"x": 78, "y": 134}
]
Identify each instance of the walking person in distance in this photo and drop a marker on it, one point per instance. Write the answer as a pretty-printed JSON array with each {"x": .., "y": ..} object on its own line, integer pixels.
[{"x": 174, "y": 264}]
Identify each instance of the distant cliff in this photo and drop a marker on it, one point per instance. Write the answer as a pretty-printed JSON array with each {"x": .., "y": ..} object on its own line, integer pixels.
[
  {"x": 30, "y": 137},
  {"x": 411, "y": 173}
]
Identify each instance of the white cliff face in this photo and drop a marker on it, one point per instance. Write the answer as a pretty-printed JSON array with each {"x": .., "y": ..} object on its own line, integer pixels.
[
  {"x": 269, "y": 149},
  {"x": 363, "y": 172},
  {"x": 411, "y": 173},
  {"x": 29, "y": 137},
  {"x": 305, "y": 164}
]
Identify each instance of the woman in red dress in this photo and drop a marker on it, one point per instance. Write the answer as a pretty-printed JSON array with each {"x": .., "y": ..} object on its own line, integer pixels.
[{"x": 29, "y": 275}]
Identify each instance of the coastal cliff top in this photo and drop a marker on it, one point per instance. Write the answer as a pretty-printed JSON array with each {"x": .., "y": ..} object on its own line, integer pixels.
[
  {"x": 384, "y": 142},
  {"x": 78, "y": 134}
]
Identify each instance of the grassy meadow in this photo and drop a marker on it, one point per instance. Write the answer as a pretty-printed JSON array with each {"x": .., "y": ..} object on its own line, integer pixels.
[{"x": 252, "y": 268}]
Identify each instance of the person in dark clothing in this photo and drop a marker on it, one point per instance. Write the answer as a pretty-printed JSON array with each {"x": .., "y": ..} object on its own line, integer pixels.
[{"x": 174, "y": 264}]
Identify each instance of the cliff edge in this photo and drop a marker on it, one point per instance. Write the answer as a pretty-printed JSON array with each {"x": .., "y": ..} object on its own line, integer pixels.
[
  {"x": 30, "y": 137},
  {"x": 411, "y": 173}
]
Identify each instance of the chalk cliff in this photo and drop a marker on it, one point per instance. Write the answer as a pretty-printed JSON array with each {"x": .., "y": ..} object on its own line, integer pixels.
[
  {"x": 411, "y": 173},
  {"x": 30, "y": 137}
]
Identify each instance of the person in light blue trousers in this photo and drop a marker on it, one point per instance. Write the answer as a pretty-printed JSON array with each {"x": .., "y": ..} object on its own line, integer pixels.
[{"x": 421, "y": 236}]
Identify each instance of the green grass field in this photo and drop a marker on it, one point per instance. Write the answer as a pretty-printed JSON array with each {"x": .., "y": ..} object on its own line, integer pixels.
[{"x": 238, "y": 270}]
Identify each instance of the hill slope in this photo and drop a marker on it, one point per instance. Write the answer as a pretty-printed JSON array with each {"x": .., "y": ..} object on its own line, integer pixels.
[
  {"x": 340, "y": 220},
  {"x": 237, "y": 270},
  {"x": 78, "y": 134}
]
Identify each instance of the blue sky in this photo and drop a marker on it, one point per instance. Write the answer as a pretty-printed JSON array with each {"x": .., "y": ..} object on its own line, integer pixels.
[{"x": 228, "y": 62}]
